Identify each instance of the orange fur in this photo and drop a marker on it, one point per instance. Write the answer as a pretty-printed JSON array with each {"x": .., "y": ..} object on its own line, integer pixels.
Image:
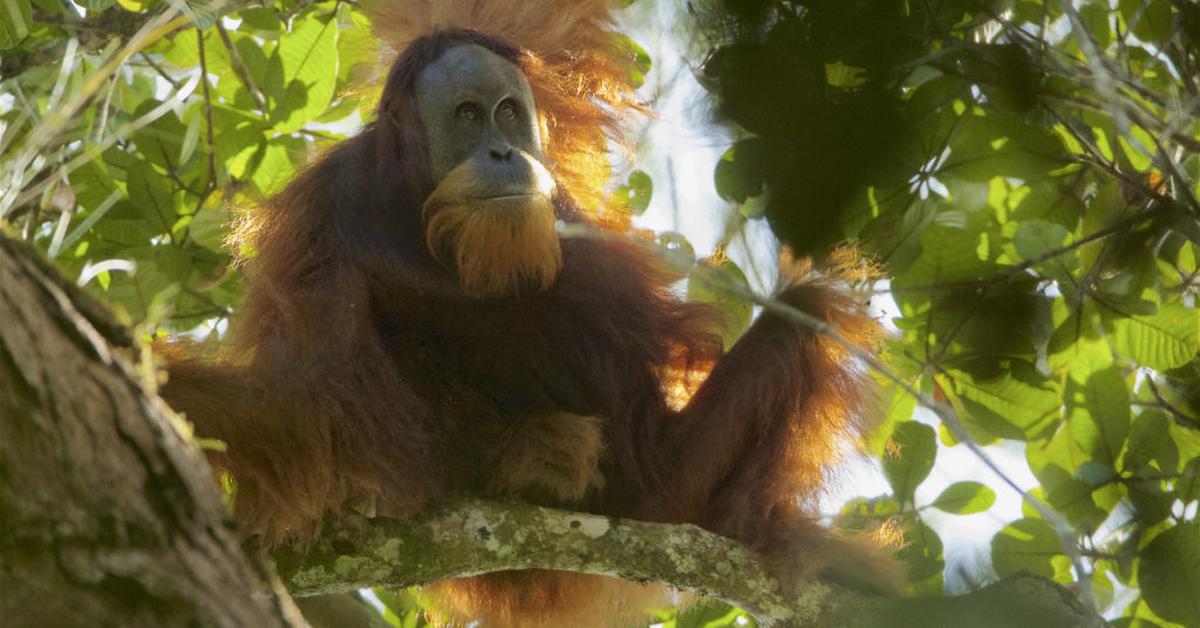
[
  {"x": 545, "y": 599},
  {"x": 556, "y": 452},
  {"x": 362, "y": 369},
  {"x": 496, "y": 246}
]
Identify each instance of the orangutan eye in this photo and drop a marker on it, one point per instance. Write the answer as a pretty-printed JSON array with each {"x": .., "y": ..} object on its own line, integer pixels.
[
  {"x": 507, "y": 110},
  {"x": 468, "y": 112}
]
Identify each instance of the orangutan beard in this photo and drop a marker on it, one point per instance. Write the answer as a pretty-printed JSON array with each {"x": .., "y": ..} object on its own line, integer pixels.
[{"x": 498, "y": 246}]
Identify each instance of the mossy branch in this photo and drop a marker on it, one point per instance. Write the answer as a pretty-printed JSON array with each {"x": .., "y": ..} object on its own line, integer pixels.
[{"x": 471, "y": 537}]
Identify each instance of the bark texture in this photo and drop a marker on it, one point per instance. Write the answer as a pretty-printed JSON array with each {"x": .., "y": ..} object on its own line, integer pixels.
[{"x": 108, "y": 514}]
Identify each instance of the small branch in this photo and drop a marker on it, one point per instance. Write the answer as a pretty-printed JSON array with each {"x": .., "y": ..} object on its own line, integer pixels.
[
  {"x": 210, "y": 145},
  {"x": 321, "y": 135},
  {"x": 158, "y": 69},
  {"x": 239, "y": 68}
]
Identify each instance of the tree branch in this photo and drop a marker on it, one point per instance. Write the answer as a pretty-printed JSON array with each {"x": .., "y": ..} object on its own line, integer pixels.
[{"x": 472, "y": 537}]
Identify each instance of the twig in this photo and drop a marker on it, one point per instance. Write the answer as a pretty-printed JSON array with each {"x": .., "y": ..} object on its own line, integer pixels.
[
  {"x": 243, "y": 72},
  {"x": 158, "y": 69},
  {"x": 210, "y": 146}
]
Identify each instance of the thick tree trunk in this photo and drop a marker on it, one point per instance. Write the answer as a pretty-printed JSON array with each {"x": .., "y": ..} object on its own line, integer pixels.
[{"x": 107, "y": 513}]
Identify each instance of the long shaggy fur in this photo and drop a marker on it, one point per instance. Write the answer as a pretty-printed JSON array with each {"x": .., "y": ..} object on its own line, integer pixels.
[
  {"x": 496, "y": 247},
  {"x": 360, "y": 371}
]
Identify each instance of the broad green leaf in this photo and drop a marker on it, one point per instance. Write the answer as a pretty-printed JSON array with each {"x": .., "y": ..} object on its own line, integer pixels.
[
  {"x": 1035, "y": 239},
  {"x": 358, "y": 49},
  {"x": 203, "y": 13},
  {"x": 16, "y": 16},
  {"x": 310, "y": 64},
  {"x": 1095, "y": 17},
  {"x": 261, "y": 18},
  {"x": 1159, "y": 341},
  {"x": 1169, "y": 574},
  {"x": 736, "y": 311},
  {"x": 910, "y": 458},
  {"x": 1055, "y": 462},
  {"x": 636, "y": 193},
  {"x": 1188, "y": 486},
  {"x": 150, "y": 194},
  {"x": 277, "y": 163},
  {"x": 738, "y": 175},
  {"x": 947, "y": 255},
  {"x": 923, "y": 555},
  {"x": 1019, "y": 404},
  {"x": 1026, "y": 545},
  {"x": 641, "y": 60},
  {"x": 1102, "y": 587},
  {"x": 1000, "y": 144},
  {"x": 1151, "y": 502},
  {"x": 1150, "y": 20},
  {"x": 1150, "y": 441},
  {"x": 897, "y": 407},
  {"x": 1042, "y": 243},
  {"x": 209, "y": 227},
  {"x": 965, "y": 498},
  {"x": 1098, "y": 414}
]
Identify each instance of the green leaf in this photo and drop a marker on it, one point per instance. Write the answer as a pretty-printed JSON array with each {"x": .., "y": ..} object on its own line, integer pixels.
[
  {"x": 203, "y": 13},
  {"x": 151, "y": 196},
  {"x": 1019, "y": 404},
  {"x": 910, "y": 461},
  {"x": 736, "y": 311},
  {"x": 1150, "y": 20},
  {"x": 209, "y": 226},
  {"x": 998, "y": 144},
  {"x": 310, "y": 63},
  {"x": 1025, "y": 545},
  {"x": 1041, "y": 241},
  {"x": 636, "y": 193},
  {"x": 278, "y": 161},
  {"x": 1189, "y": 481},
  {"x": 1098, "y": 414},
  {"x": 16, "y": 16},
  {"x": 738, "y": 175},
  {"x": 1169, "y": 574},
  {"x": 1095, "y": 17},
  {"x": 1150, "y": 440},
  {"x": 94, "y": 6},
  {"x": 261, "y": 18},
  {"x": 709, "y": 614},
  {"x": 965, "y": 498},
  {"x": 1054, "y": 462},
  {"x": 924, "y": 556},
  {"x": 641, "y": 60},
  {"x": 1159, "y": 341}
]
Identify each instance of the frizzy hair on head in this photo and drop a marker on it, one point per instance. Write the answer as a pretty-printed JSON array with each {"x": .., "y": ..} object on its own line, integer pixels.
[{"x": 575, "y": 63}]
